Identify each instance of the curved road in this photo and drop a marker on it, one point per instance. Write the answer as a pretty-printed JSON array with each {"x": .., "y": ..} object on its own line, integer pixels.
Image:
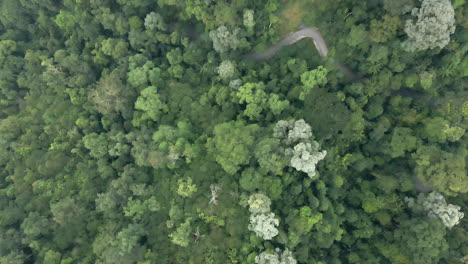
[
  {"x": 308, "y": 32},
  {"x": 322, "y": 48}
]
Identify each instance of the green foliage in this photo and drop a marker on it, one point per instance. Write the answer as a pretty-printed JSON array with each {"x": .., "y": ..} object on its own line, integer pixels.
[
  {"x": 181, "y": 236},
  {"x": 150, "y": 104},
  {"x": 311, "y": 79},
  {"x": 423, "y": 241},
  {"x": 384, "y": 30},
  {"x": 135, "y": 131},
  {"x": 128, "y": 238},
  {"x": 402, "y": 141},
  {"x": 443, "y": 170},
  {"x": 65, "y": 20},
  {"x": 137, "y": 208},
  {"x": 257, "y": 100},
  {"x": 300, "y": 222},
  {"x": 186, "y": 188},
  {"x": 97, "y": 144},
  {"x": 232, "y": 144},
  {"x": 270, "y": 155}
]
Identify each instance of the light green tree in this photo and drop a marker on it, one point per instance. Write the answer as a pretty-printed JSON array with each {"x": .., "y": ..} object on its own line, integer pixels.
[
  {"x": 444, "y": 171},
  {"x": 128, "y": 238},
  {"x": 186, "y": 188},
  {"x": 232, "y": 144},
  {"x": 150, "y": 105},
  {"x": 181, "y": 236},
  {"x": 311, "y": 79},
  {"x": 259, "y": 203}
]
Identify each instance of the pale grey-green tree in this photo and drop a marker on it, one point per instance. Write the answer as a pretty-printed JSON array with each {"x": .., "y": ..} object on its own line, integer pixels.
[
  {"x": 154, "y": 21},
  {"x": 264, "y": 225},
  {"x": 226, "y": 70},
  {"x": 305, "y": 157},
  {"x": 276, "y": 257},
  {"x": 435, "y": 206},
  {"x": 224, "y": 39},
  {"x": 249, "y": 21},
  {"x": 435, "y": 22}
]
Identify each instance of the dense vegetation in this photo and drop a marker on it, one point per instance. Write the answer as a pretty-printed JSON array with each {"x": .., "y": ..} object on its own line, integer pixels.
[{"x": 133, "y": 131}]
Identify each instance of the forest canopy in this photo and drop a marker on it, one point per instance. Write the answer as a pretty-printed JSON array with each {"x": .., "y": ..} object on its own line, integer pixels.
[{"x": 155, "y": 131}]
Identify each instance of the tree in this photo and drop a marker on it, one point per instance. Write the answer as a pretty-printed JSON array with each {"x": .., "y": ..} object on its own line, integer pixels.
[
  {"x": 270, "y": 155},
  {"x": 97, "y": 144},
  {"x": 154, "y": 21},
  {"x": 65, "y": 20},
  {"x": 300, "y": 221},
  {"x": 176, "y": 143},
  {"x": 174, "y": 56},
  {"x": 305, "y": 157},
  {"x": 438, "y": 130},
  {"x": 422, "y": 240},
  {"x": 66, "y": 210},
  {"x": 35, "y": 225},
  {"x": 137, "y": 208},
  {"x": 277, "y": 257},
  {"x": 259, "y": 203},
  {"x": 111, "y": 96},
  {"x": 435, "y": 21},
  {"x": 226, "y": 70},
  {"x": 276, "y": 105},
  {"x": 402, "y": 141},
  {"x": 251, "y": 179},
  {"x": 224, "y": 39},
  {"x": 311, "y": 79},
  {"x": 254, "y": 96},
  {"x": 435, "y": 206},
  {"x": 248, "y": 18},
  {"x": 232, "y": 144},
  {"x": 302, "y": 151},
  {"x": 186, "y": 188},
  {"x": 257, "y": 100},
  {"x": 382, "y": 31},
  {"x": 52, "y": 257},
  {"x": 150, "y": 105},
  {"x": 181, "y": 235},
  {"x": 292, "y": 132},
  {"x": 398, "y": 7},
  {"x": 128, "y": 238},
  {"x": 264, "y": 225},
  {"x": 444, "y": 171},
  {"x": 14, "y": 257}
]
